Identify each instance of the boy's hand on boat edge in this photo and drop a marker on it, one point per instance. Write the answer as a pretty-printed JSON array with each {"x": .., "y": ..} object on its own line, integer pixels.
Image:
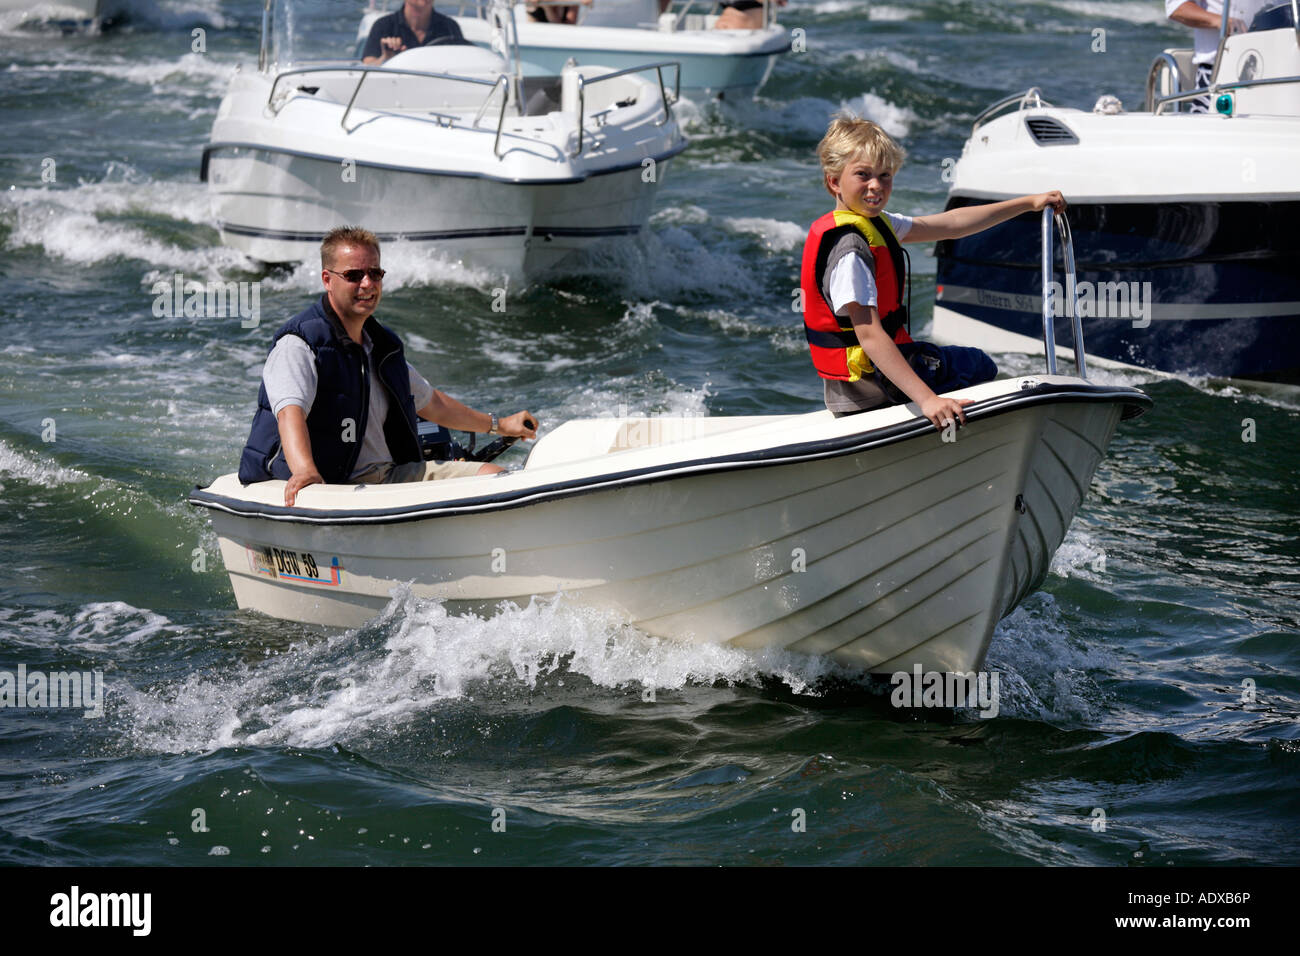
[
  {"x": 297, "y": 483},
  {"x": 943, "y": 412}
]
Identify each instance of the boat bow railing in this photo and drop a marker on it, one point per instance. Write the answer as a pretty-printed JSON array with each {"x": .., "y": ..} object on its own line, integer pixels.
[
  {"x": 1030, "y": 99},
  {"x": 1071, "y": 293},
  {"x": 444, "y": 119},
  {"x": 584, "y": 82}
]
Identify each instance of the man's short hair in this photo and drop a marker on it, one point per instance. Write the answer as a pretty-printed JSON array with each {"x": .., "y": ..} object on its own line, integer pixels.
[
  {"x": 848, "y": 136},
  {"x": 345, "y": 236}
]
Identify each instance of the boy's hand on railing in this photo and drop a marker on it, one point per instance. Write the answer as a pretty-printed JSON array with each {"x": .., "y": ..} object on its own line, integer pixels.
[
  {"x": 943, "y": 412},
  {"x": 1052, "y": 198}
]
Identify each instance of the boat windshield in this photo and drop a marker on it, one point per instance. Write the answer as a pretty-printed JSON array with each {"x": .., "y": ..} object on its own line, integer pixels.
[
  {"x": 1261, "y": 15},
  {"x": 301, "y": 32}
]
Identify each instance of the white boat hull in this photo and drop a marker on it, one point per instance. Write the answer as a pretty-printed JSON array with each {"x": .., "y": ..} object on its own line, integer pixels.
[
  {"x": 433, "y": 161},
  {"x": 714, "y": 63},
  {"x": 519, "y": 230},
  {"x": 869, "y": 539}
]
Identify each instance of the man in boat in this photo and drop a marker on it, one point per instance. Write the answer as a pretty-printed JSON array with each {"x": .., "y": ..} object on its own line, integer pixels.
[
  {"x": 742, "y": 14},
  {"x": 1205, "y": 17},
  {"x": 854, "y": 273},
  {"x": 338, "y": 400},
  {"x": 416, "y": 24},
  {"x": 551, "y": 11}
]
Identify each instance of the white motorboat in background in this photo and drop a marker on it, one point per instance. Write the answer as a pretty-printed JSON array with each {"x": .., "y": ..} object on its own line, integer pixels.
[
  {"x": 626, "y": 33},
  {"x": 437, "y": 147},
  {"x": 1184, "y": 223},
  {"x": 70, "y": 14},
  {"x": 872, "y": 538}
]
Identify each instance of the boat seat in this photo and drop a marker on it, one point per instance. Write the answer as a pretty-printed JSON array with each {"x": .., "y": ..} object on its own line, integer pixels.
[
  {"x": 1186, "y": 73},
  {"x": 596, "y": 437}
]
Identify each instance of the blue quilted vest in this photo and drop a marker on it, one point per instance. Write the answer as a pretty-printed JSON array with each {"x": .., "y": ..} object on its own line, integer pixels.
[{"x": 342, "y": 394}]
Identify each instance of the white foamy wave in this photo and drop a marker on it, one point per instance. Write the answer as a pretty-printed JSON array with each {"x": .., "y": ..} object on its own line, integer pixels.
[
  {"x": 666, "y": 263},
  {"x": 837, "y": 6},
  {"x": 896, "y": 120},
  {"x": 191, "y": 74},
  {"x": 111, "y": 624},
  {"x": 777, "y": 235},
  {"x": 633, "y": 397},
  {"x": 1044, "y": 674},
  {"x": 1131, "y": 11},
  {"x": 784, "y": 336},
  {"x": 881, "y": 13},
  {"x": 306, "y": 698},
  {"x": 45, "y": 11},
  {"x": 79, "y": 224},
  {"x": 1079, "y": 556},
  {"x": 1029, "y": 363},
  {"x": 171, "y": 15},
  {"x": 687, "y": 214},
  {"x": 893, "y": 57},
  {"x": 39, "y": 471},
  {"x": 409, "y": 264},
  {"x": 96, "y": 628}
]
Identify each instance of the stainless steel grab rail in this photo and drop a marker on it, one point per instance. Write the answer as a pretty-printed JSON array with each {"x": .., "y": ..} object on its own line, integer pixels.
[
  {"x": 583, "y": 83},
  {"x": 389, "y": 71},
  {"x": 1163, "y": 61},
  {"x": 1021, "y": 98},
  {"x": 1071, "y": 293}
]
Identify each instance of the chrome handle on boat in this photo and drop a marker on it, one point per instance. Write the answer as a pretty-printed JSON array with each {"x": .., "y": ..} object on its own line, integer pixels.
[
  {"x": 1162, "y": 62},
  {"x": 263, "y": 52},
  {"x": 1071, "y": 293},
  {"x": 583, "y": 83},
  {"x": 1224, "y": 21},
  {"x": 1021, "y": 98},
  {"x": 1295, "y": 20}
]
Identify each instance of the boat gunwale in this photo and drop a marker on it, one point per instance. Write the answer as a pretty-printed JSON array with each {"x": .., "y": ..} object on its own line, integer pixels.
[{"x": 1136, "y": 402}]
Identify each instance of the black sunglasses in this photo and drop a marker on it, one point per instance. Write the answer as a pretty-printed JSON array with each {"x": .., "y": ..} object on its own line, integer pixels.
[{"x": 356, "y": 275}]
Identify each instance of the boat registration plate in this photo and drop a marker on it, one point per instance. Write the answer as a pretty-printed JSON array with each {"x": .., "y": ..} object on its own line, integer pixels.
[{"x": 298, "y": 566}]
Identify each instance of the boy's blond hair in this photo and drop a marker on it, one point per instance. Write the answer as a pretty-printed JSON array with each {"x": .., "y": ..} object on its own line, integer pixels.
[{"x": 849, "y": 136}]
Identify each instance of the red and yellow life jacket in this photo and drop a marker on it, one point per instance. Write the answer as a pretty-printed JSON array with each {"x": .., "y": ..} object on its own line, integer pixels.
[{"x": 834, "y": 345}]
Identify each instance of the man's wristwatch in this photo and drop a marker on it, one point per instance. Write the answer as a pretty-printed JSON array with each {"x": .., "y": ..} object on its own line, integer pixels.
[{"x": 496, "y": 424}]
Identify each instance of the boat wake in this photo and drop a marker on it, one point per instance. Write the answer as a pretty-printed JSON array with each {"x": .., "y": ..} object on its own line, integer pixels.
[{"x": 415, "y": 660}]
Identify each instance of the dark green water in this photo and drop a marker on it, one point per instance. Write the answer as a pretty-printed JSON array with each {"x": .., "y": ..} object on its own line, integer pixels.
[{"x": 1122, "y": 680}]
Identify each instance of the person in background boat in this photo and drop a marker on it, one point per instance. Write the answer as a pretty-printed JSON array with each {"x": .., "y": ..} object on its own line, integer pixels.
[
  {"x": 321, "y": 415},
  {"x": 854, "y": 273},
  {"x": 555, "y": 12},
  {"x": 742, "y": 14},
  {"x": 416, "y": 24},
  {"x": 1205, "y": 17}
]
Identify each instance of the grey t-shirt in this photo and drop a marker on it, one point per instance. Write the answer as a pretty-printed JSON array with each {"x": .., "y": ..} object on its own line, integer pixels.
[
  {"x": 851, "y": 277},
  {"x": 290, "y": 377}
]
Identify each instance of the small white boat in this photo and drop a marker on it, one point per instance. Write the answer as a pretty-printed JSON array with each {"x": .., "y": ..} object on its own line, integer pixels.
[
  {"x": 872, "y": 538},
  {"x": 439, "y": 148},
  {"x": 621, "y": 34},
  {"x": 1184, "y": 222}
]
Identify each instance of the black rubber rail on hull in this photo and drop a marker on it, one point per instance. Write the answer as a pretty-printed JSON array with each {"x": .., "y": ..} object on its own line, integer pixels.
[{"x": 1135, "y": 403}]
